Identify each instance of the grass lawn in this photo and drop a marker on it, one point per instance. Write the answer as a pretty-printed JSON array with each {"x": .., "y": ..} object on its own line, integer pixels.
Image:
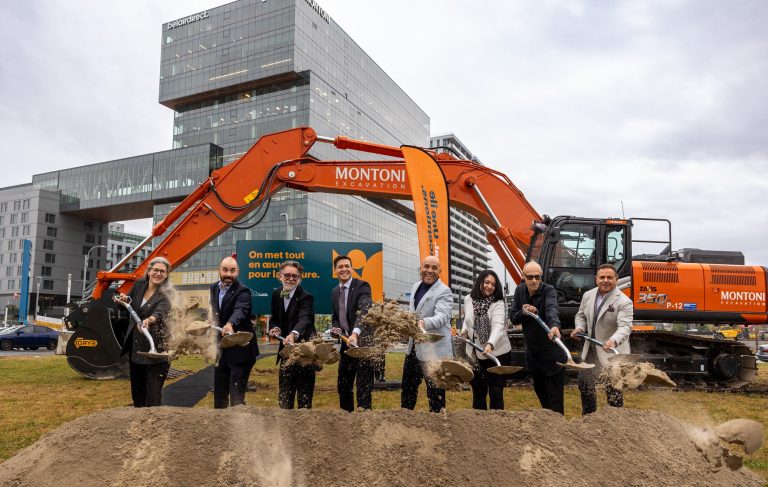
[{"x": 42, "y": 393}]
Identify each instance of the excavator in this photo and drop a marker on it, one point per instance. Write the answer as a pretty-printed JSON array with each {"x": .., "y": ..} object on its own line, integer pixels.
[{"x": 665, "y": 287}]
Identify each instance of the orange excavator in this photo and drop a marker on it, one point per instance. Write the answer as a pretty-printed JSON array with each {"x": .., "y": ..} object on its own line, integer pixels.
[{"x": 663, "y": 287}]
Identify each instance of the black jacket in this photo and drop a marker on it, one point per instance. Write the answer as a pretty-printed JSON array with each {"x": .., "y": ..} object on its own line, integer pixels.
[
  {"x": 358, "y": 302},
  {"x": 235, "y": 309},
  {"x": 541, "y": 354},
  {"x": 158, "y": 306},
  {"x": 299, "y": 317}
]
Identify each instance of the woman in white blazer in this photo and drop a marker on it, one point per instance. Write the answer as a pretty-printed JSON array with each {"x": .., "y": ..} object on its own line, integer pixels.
[{"x": 484, "y": 323}]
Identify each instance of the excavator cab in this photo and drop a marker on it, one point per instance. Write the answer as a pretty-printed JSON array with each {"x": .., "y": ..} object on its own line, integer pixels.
[{"x": 569, "y": 250}]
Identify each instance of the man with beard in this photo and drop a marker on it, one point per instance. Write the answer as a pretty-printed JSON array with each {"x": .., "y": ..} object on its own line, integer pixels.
[
  {"x": 293, "y": 317},
  {"x": 231, "y": 308},
  {"x": 606, "y": 314},
  {"x": 541, "y": 353},
  {"x": 432, "y": 301}
]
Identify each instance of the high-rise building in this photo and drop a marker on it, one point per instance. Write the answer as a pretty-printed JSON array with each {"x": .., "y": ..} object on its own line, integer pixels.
[
  {"x": 469, "y": 246},
  {"x": 120, "y": 243},
  {"x": 236, "y": 72}
]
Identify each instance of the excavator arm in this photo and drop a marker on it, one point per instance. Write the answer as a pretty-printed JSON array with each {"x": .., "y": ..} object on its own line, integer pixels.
[{"x": 280, "y": 160}]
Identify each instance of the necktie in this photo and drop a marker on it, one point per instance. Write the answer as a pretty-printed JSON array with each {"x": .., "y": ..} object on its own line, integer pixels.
[{"x": 343, "y": 310}]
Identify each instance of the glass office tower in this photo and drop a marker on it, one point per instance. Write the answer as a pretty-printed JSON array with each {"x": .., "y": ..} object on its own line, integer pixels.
[{"x": 236, "y": 72}]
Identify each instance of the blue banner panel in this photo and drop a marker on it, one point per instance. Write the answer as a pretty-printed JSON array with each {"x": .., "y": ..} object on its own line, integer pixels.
[{"x": 259, "y": 262}]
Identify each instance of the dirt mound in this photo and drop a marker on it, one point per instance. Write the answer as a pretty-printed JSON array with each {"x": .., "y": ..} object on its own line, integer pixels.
[{"x": 246, "y": 446}]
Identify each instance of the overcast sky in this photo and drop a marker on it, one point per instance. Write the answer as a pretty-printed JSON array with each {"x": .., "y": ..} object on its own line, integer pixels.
[{"x": 661, "y": 105}]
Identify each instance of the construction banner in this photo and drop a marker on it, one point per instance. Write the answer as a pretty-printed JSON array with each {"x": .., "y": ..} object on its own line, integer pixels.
[
  {"x": 259, "y": 262},
  {"x": 430, "y": 202}
]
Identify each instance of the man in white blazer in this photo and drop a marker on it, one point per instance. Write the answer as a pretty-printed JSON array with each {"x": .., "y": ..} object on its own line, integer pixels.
[
  {"x": 606, "y": 314},
  {"x": 431, "y": 300}
]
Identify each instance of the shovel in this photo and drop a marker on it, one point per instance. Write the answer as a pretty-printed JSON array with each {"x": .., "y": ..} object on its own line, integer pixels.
[
  {"x": 240, "y": 338},
  {"x": 153, "y": 353},
  {"x": 355, "y": 351},
  {"x": 617, "y": 358},
  {"x": 498, "y": 368},
  {"x": 287, "y": 347},
  {"x": 569, "y": 363}
]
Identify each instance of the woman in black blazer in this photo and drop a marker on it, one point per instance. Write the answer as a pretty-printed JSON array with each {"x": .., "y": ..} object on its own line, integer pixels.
[{"x": 149, "y": 298}]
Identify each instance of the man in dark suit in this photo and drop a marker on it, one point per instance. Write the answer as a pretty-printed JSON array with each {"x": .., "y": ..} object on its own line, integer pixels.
[
  {"x": 351, "y": 299},
  {"x": 293, "y": 317},
  {"x": 231, "y": 308}
]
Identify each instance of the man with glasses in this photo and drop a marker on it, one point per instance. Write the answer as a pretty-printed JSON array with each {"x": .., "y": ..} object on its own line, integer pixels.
[
  {"x": 293, "y": 317},
  {"x": 231, "y": 309},
  {"x": 606, "y": 314},
  {"x": 541, "y": 353}
]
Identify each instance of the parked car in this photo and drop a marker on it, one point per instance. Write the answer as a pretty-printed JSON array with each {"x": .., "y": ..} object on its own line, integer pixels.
[
  {"x": 30, "y": 337},
  {"x": 762, "y": 353}
]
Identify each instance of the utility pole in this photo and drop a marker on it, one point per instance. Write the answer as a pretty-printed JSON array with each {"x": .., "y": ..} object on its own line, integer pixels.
[
  {"x": 69, "y": 286},
  {"x": 85, "y": 266},
  {"x": 37, "y": 299}
]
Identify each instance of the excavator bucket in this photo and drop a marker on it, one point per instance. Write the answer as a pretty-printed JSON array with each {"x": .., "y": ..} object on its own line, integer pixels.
[{"x": 99, "y": 332}]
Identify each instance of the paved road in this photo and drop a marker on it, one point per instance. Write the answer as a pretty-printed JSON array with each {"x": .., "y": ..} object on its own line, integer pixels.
[{"x": 26, "y": 353}]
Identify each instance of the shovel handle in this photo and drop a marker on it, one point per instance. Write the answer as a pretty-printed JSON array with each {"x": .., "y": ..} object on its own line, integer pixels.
[
  {"x": 345, "y": 339},
  {"x": 137, "y": 321},
  {"x": 596, "y": 342},
  {"x": 479, "y": 349},
  {"x": 548, "y": 331}
]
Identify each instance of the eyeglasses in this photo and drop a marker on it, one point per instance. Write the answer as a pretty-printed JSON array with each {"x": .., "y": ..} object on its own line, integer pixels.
[
  {"x": 533, "y": 277},
  {"x": 290, "y": 277},
  {"x": 158, "y": 271}
]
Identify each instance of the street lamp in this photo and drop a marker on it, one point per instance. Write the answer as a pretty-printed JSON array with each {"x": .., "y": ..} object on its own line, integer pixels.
[
  {"x": 287, "y": 226},
  {"x": 37, "y": 299},
  {"x": 85, "y": 264}
]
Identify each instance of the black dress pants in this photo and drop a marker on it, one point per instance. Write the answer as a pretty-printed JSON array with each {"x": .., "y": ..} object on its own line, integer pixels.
[
  {"x": 587, "y": 380},
  {"x": 487, "y": 385},
  {"x": 351, "y": 371},
  {"x": 413, "y": 373},
  {"x": 550, "y": 389},
  {"x": 296, "y": 384},
  {"x": 147, "y": 383},
  {"x": 230, "y": 382}
]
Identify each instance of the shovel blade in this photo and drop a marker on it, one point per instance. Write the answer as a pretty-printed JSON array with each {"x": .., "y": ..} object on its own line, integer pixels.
[
  {"x": 625, "y": 358},
  {"x": 359, "y": 352},
  {"x": 504, "y": 369},
  {"x": 241, "y": 338},
  {"x": 571, "y": 365}
]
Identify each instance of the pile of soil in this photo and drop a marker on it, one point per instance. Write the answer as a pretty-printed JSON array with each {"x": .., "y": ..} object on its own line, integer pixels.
[
  {"x": 246, "y": 446},
  {"x": 625, "y": 376},
  {"x": 390, "y": 322},
  {"x": 315, "y": 353}
]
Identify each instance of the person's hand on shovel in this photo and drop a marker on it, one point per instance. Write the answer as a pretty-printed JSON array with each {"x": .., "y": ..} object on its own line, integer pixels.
[
  {"x": 554, "y": 332},
  {"x": 488, "y": 349},
  {"x": 530, "y": 309},
  {"x": 228, "y": 329},
  {"x": 275, "y": 331},
  {"x": 609, "y": 344}
]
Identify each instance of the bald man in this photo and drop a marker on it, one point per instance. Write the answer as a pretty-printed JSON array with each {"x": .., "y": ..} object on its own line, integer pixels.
[
  {"x": 231, "y": 310},
  {"x": 431, "y": 300},
  {"x": 541, "y": 353}
]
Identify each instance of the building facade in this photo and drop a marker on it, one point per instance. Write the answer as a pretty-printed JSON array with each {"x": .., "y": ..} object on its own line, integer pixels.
[
  {"x": 120, "y": 243},
  {"x": 248, "y": 68},
  {"x": 469, "y": 246}
]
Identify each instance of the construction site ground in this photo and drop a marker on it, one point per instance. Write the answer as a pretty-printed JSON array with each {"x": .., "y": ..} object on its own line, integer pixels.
[{"x": 41, "y": 395}]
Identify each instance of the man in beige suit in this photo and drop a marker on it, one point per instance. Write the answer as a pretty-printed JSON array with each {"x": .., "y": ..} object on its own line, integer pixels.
[{"x": 606, "y": 314}]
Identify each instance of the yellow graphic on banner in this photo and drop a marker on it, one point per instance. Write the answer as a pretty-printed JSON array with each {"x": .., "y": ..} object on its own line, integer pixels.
[
  {"x": 369, "y": 269},
  {"x": 84, "y": 342}
]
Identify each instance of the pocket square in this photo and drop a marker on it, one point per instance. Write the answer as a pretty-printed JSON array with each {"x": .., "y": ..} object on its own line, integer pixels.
[{"x": 611, "y": 308}]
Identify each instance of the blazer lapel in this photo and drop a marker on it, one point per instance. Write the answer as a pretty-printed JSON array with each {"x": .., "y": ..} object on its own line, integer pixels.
[{"x": 607, "y": 303}]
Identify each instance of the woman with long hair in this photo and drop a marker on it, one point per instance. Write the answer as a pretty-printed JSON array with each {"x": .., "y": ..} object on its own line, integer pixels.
[
  {"x": 485, "y": 325},
  {"x": 149, "y": 297}
]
